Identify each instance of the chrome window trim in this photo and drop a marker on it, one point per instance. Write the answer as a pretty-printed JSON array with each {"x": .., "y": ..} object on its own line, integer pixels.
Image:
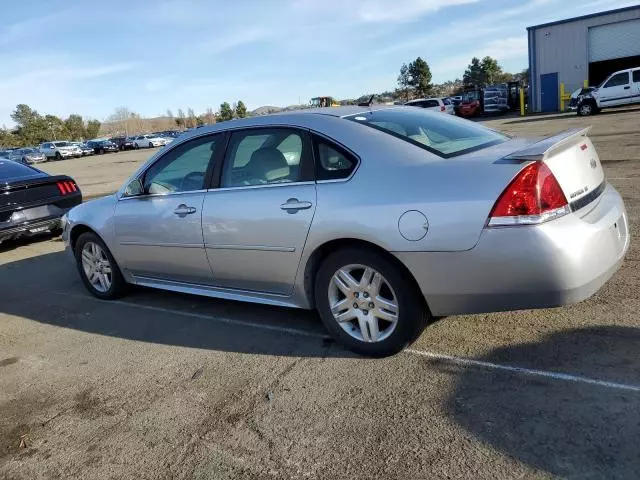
[
  {"x": 268, "y": 185},
  {"x": 168, "y": 194}
]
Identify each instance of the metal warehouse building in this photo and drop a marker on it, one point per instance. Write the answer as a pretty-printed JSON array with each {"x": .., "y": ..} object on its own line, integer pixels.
[{"x": 578, "y": 49}]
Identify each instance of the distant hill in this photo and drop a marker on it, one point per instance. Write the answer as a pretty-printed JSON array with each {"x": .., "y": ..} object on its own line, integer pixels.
[{"x": 264, "y": 110}]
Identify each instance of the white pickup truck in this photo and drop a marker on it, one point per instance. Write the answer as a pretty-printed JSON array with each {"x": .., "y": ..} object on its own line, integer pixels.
[{"x": 620, "y": 88}]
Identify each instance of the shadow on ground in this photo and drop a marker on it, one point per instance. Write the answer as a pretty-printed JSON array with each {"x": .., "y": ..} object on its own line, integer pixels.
[
  {"x": 569, "y": 429},
  {"x": 47, "y": 289}
]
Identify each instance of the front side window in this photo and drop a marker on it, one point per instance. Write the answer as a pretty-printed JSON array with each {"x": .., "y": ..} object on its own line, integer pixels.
[
  {"x": 262, "y": 157},
  {"x": 184, "y": 168},
  {"x": 618, "y": 80},
  {"x": 636, "y": 76},
  {"x": 444, "y": 135}
]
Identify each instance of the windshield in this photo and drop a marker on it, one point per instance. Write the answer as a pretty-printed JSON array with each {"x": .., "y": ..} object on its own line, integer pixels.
[
  {"x": 62, "y": 144},
  {"x": 443, "y": 135}
]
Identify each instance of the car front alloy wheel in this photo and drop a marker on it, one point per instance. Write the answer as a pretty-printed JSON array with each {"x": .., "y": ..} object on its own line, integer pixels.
[{"x": 97, "y": 268}]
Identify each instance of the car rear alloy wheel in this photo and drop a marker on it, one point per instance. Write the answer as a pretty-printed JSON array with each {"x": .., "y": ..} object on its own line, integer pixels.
[
  {"x": 97, "y": 268},
  {"x": 369, "y": 302},
  {"x": 363, "y": 303}
]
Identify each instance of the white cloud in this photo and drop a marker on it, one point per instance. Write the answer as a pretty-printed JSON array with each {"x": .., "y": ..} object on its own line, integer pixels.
[
  {"x": 243, "y": 36},
  {"x": 401, "y": 11},
  {"x": 372, "y": 10},
  {"x": 30, "y": 26},
  {"x": 501, "y": 49},
  {"x": 52, "y": 84}
]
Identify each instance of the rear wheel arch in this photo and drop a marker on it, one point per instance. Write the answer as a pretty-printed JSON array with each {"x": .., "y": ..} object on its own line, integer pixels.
[{"x": 323, "y": 251}]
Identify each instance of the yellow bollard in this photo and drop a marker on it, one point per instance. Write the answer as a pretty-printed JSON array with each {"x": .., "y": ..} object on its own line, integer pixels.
[
  {"x": 586, "y": 84},
  {"x": 521, "y": 102},
  {"x": 563, "y": 96}
]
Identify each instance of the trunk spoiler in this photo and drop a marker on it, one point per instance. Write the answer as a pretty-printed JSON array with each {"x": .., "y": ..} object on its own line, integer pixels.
[{"x": 542, "y": 149}]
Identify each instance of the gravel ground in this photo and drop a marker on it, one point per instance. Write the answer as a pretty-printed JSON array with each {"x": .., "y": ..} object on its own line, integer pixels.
[{"x": 161, "y": 385}]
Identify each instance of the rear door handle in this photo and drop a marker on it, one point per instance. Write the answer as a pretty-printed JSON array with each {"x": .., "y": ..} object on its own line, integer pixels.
[
  {"x": 183, "y": 210},
  {"x": 293, "y": 205}
]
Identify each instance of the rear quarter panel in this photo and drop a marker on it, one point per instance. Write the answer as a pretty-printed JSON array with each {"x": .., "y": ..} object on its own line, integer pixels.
[{"x": 456, "y": 194}]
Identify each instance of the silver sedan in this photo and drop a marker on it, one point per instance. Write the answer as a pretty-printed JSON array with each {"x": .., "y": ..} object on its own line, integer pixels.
[{"x": 380, "y": 218}]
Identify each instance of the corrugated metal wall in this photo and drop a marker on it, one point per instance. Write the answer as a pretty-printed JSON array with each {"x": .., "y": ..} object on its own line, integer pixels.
[{"x": 564, "y": 48}]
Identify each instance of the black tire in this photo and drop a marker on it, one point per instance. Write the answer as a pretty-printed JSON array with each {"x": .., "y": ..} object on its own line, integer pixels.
[
  {"x": 135, "y": 146},
  {"x": 118, "y": 285},
  {"x": 150, "y": 145},
  {"x": 587, "y": 108},
  {"x": 58, "y": 156},
  {"x": 413, "y": 311}
]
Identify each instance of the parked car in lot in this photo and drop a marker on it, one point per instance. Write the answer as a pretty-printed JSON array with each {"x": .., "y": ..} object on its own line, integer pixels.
[
  {"x": 60, "y": 150},
  {"x": 123, "y": 143},
  {"x": 27, "y": 156},
  {"x": 437, "y": 104},
  {"x": 378, "y": 217},
  {"x": 619, "y": 89},
  {"x": 102, "y": 146},
  {"x": 32, "y": 201},
  {"x": 148, "y": 141},
  {"x": 84, "y": 148}
]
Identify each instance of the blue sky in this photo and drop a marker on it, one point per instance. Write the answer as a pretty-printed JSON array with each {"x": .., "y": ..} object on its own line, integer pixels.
[{"x": 89, "y": 57}]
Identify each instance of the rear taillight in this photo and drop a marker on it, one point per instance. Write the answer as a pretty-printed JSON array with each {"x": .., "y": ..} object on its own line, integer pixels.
[
  {"x": 533, "y": 196},
  {"x": 67, "y": 187},
  {"x": 442, "y": 108}
]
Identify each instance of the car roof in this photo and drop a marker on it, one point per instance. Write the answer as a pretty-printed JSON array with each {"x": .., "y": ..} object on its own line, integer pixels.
[{"x": 283, "y": 118}]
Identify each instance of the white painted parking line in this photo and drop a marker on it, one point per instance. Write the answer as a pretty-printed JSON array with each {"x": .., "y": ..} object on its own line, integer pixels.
[
  {"x": 469, "y": 362},
  {"x": 461, "y": 361}
]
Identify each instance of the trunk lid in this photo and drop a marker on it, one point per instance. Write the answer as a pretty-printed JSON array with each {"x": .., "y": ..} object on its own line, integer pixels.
[{"x": 574, "y": 162}]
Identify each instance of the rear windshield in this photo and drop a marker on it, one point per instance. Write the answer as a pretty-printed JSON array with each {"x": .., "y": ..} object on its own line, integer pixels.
[{"x": 444, "y": 135}]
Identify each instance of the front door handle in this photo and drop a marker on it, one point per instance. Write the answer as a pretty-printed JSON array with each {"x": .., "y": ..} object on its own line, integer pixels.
[
  {"x": 627, "y": 87},
  {"x": 183, "y": 210},
  {"x": 293, "y": 205}
]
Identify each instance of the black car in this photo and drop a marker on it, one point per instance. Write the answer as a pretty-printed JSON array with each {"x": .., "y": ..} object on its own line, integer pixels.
[
  {"x": 32, "y": 201},
  {"x": 102, "y": 146},
  {"x": 123, "y": 143}
]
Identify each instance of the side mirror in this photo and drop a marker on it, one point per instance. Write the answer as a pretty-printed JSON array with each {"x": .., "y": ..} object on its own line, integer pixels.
[
  {"x": 134, "y": 188},
  {"x": 52, "y": 147}
]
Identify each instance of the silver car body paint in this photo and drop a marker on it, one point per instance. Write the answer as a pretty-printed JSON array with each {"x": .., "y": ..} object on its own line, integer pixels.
[{"x": 250, "y": 249}]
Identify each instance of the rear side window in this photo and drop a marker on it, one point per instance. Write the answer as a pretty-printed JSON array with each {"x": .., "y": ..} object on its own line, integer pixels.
[
  {"x": 444, "y": 135},
  {"x": 636, "y": 76},
  {"x": 265, "y": 156},
  {"x": 332, "y": 161}
]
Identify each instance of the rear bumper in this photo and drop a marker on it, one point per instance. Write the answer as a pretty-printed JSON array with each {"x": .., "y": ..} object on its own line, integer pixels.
[
  {"x": 557, "y": 263},
  {"x": 30, "y": 228}
]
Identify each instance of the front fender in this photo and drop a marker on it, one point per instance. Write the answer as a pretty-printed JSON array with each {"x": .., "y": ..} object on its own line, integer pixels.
[{"x": 96, "y": 215}]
